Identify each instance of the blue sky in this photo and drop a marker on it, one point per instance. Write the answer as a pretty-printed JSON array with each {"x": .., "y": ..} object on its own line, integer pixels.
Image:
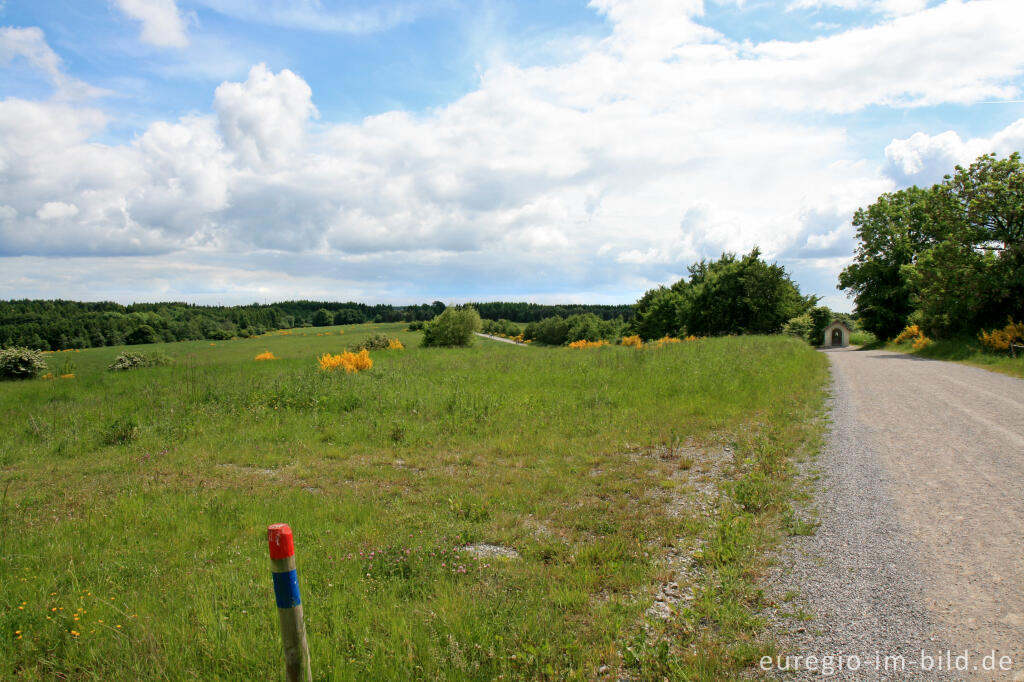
[{"x": 236, "y": 151}]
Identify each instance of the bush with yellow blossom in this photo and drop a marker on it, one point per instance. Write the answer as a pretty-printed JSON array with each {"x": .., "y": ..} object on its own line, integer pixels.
[
  {"x": 1000, "y": 339},
  {"x": 634, "y": 341},
  {"x": 583, "y": 343},
  {"x": 348, "y": 361},
  {"x": 913, "y": 334}
]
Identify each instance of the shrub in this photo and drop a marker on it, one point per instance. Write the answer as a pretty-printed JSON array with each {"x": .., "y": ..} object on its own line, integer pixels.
[
  {"x": 21, "y": 363},
  {"x": 914, "y": 334},
  {"x": 453, "y": 327},
  {"x": 552, "y": 331},
  {"x": 350, "y": 362},
  {"x": 132, "y": 360},
  {"x": 583, "y": 343},
  {"x": 1000, "y": 339},
  {"x": 265, "y": 355},
  {"x": 375, "y": 342},
  {"x": 142, "y": 334},
  {"x": 666, "y": 340},
  {"x": 501, "y": 328},
  {"x": 415, "y": 326},
  {"x": 634, "y": 341},
  {"x": 909, "y": 333}
]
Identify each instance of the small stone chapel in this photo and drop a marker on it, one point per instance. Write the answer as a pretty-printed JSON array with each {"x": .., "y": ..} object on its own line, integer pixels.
[{"x": 837, "y": 334}]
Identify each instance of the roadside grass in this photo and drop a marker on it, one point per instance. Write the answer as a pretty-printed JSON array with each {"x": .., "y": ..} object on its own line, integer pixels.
[
  {"x": 863, "y": 338},
  {"x": 134, "y": 507},
  {"x": 965, "y": 350}
]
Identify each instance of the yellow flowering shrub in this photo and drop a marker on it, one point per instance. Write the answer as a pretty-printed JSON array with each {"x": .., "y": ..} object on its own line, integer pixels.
[
  {"x": 583, "y": 343},
  {"x": 909, "y": 333},
  {"x": 635, "y": 341},
  {"x": 1000, "y": 339},
  {"x": 691, "y": 337},
  {"x": 914, "y": 334},
  {"x": 666, "y": 339},
  {"x": 265, "y": 355},
  {"x": 395, "y": 344},
  {"x": 349, "y": 361}
]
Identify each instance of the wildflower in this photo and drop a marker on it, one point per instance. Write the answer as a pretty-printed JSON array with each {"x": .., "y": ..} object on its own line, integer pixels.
[{"x": 265, "y": 355}]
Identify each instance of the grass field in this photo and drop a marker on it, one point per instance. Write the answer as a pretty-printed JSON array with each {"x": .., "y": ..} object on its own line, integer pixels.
[
  {"x": 135, "y": 506},
  {"x": 965, "y": 350}
]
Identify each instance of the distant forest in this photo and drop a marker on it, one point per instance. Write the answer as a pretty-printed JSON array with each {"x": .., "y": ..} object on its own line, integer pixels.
[{"x": 58, "y": 325}]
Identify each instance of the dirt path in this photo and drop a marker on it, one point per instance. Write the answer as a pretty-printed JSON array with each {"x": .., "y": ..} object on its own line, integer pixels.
[
  {"x": 921, "y": 542},
  {"x": 498, "y": 338}
]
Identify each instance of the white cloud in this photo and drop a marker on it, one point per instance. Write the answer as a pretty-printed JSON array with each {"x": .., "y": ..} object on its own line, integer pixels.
[
  {"x": 56, "y": 209},
  {"x": 162, "y": 22},
  {"x": 923, "y": 159},
  {"x": 30, "y": 44},
  {"x": 662, "y": 144},
  {"x": 263, "y": 120}
]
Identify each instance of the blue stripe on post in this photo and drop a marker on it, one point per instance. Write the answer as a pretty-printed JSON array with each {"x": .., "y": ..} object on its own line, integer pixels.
[{"x": 286, "y": 589}]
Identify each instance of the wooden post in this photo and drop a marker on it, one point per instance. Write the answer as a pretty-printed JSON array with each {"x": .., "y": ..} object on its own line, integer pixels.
[{"x": 289, "y": 606}]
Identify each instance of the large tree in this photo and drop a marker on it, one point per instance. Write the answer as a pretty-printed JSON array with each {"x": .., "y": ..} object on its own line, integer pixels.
[
  {"x": 973, "y": 274},
  {"x": 950, "y": 258},
  {"x": 731, "y": 295},
  {"x": 892, "y": 231}
]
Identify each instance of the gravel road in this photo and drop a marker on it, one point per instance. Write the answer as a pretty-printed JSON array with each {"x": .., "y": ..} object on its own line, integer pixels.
[
  {"x": 921, "y": 542},
  {"x": 498, "y": 338}
]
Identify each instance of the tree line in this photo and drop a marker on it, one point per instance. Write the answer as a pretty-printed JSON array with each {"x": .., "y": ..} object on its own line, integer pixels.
[{"x": 60, "y": 324}]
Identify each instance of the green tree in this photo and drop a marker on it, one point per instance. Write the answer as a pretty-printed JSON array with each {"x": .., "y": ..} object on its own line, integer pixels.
[
  {"x": 742, "y": 295},
  {"x": 660, "y": 312},
  {"x": 142, "y": 334},
  {"x": 552, "y": 331},
  {"x": 453, "y": 327},
  {"x": 893, "y": 232},
  {"x": 973, "y": 274},
  {"x": 950, "y": 258},
  {"x": 323, "y": 318},
  {"x": 347, "y": 316}
]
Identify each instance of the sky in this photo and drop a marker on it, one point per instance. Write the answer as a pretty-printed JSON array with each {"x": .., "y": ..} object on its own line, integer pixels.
[{"x": 401, "y": 151}]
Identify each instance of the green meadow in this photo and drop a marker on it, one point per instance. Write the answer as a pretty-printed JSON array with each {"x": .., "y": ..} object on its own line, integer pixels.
[{"x": 135, "y": 505}]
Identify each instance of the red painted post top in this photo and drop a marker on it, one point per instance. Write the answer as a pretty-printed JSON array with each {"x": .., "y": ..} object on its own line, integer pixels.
[{"x": 279, "y": 535}]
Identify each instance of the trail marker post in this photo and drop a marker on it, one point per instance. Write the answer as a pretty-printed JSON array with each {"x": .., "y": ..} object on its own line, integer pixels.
[{"x": 289, "y": 605}]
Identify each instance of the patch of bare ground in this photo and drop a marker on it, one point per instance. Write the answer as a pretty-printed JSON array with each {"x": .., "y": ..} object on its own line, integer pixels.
[{"x": 696, "y": 472}]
